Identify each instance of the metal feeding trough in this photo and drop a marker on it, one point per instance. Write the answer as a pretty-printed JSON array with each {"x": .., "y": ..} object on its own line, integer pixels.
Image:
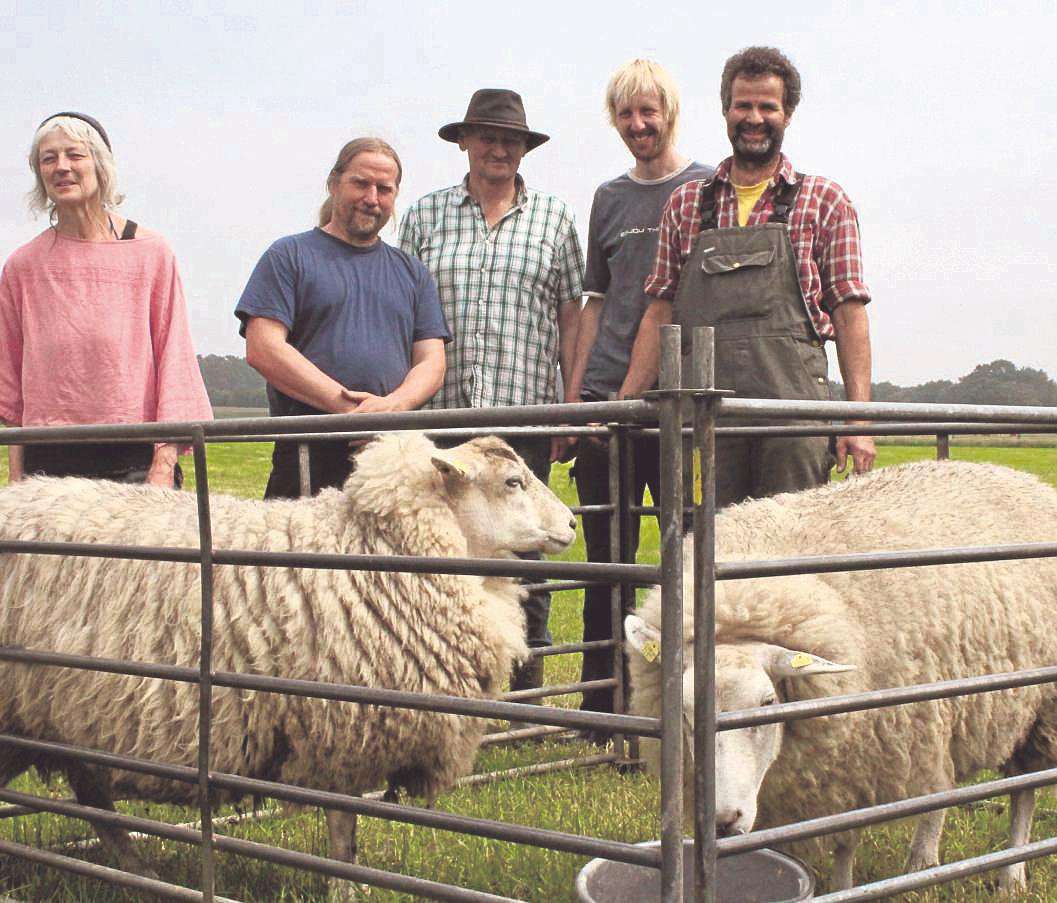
[{"x": 762, "y": 876}]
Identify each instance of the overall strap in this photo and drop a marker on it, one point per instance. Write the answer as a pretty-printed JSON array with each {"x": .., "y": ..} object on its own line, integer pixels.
[
  {"x": 785, "y": 199},
  {"x": 783, "y": 202},
  {"x": 706, "y": 203},
  {"x": 129, "y": 231}
]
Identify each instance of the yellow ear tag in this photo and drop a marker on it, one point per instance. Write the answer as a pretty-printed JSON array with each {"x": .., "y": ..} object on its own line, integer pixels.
[
  {"x": 650, "y": 650},
  {"x": 698, "y": 493},
  {"x": 458, "y": 468},
  {"x": 801, "y": 660}
]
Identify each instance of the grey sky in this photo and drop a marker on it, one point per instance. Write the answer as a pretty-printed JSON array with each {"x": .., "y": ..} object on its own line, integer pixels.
[{"x": 939, "y": 120}]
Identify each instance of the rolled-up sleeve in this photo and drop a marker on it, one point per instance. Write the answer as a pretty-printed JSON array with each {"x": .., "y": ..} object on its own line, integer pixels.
[{"x": 839, "y": 255}]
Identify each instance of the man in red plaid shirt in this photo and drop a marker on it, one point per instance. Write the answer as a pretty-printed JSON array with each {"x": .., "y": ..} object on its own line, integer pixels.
[{"x": 770, "y": 259}]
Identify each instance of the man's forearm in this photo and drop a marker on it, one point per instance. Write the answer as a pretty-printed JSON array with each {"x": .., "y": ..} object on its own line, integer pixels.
[
  {"x": 585, "y": 341},
  {"x": 292, "y": 373},
  {"x": 423, "y": 379},
  {"x": 568, "y": 332},
  {"x": 852, "y": 336},
  {"x": 645, "y": 352}
]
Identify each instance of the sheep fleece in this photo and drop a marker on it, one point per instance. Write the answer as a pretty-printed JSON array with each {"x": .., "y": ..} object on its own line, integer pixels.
[
  {"x": 899, "y": 627},
  {"x": 417, "y": 632}
]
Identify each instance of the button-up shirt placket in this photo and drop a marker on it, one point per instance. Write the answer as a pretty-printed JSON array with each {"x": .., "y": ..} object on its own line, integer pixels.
[{"x": 480, "y": 388}]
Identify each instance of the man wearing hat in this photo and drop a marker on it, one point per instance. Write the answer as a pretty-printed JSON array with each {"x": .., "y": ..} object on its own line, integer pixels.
[{"x": 509, "y": 269}]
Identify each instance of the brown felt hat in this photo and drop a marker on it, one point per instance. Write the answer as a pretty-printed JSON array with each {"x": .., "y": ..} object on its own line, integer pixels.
[{"x": 498, "y": 107}]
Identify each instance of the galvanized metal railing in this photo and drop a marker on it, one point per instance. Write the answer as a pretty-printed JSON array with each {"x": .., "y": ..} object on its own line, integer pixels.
[
  {"x": 668, "y": 409},
  {"x": 197, "y": 434},
  {"x": 939, "y": 419}
]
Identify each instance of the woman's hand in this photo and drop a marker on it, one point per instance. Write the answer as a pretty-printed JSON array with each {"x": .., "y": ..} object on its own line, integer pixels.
[{"x": 162, "y": 466}]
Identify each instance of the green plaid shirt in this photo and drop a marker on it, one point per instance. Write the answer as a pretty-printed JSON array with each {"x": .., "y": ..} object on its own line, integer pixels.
[{"x": 500, "y": 289}]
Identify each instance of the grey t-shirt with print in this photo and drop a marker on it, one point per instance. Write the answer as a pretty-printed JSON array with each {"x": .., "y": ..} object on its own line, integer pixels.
[{"x": 621, "y": 247}]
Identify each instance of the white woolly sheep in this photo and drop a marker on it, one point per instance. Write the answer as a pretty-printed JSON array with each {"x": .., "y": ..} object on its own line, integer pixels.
[
  {"x": 426, "y": 633},
  {"x": 783, "y": 639}
]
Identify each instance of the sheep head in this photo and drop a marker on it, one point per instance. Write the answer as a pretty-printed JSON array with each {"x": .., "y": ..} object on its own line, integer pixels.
[
  {"x": 500, "y": 505},
  {"x": 747, "y": 677}
]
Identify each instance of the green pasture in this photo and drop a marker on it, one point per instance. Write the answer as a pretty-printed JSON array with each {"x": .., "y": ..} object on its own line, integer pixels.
[{"x": 597, "y": 801}]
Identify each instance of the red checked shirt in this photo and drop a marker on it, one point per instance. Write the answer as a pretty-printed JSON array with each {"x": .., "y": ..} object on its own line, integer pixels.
[{"x": 823, "y": 229}]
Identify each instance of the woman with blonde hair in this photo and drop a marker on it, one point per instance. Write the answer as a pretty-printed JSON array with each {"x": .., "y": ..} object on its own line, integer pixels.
[{"x": 93, "y": 322}]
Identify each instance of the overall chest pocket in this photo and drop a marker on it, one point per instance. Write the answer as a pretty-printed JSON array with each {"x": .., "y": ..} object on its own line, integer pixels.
[{"x": 741, "y": 285}]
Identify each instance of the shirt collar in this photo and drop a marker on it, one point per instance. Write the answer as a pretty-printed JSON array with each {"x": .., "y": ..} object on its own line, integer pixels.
[
  {"x": 784, "y": 173},
  {"x": 461, "y": 193}
]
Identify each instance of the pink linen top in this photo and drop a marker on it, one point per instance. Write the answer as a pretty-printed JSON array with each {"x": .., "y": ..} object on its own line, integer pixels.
[{"x": 96, "y": 332}]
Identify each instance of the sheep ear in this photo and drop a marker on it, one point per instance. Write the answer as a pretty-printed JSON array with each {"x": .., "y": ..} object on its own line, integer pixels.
[
  {"x": 643, "y": 638},
  {"x": 781, "y": 662},
  {"x": 450, "y": 466}
]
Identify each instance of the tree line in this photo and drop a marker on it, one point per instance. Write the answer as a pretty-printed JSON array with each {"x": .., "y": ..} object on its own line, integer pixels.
[
  {"x": 231, "y": 382},
  {"x": 999, "y": 382}
]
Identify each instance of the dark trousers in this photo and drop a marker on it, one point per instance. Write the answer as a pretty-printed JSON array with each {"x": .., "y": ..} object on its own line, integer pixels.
[
  {"x": 121, "y": 462},
  {"x": 758, "y": 468},
  {"x": 329, "y": 465},
  {"x": 591, "y": 473}
]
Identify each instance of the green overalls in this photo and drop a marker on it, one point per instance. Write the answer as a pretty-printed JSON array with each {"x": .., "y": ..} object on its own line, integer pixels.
[{"x": 743, "y": 282}]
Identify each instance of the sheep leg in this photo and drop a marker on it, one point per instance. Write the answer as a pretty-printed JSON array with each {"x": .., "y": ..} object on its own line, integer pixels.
[
  {"x": 925, "y": 848},
  {"x": 12, "y": 764},
  {"x": 844, "y": 861},
  {"x": 1013, "y": 878},
  {"x": 91, "y": 792},
  {"x": 341, "y": 826}
]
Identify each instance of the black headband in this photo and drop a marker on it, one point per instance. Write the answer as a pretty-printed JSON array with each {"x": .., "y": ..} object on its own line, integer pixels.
[{"x": 84, "y": 117}]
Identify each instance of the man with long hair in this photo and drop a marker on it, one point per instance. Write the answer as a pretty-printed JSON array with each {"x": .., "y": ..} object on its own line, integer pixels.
[{"x": 339, "y": 322}]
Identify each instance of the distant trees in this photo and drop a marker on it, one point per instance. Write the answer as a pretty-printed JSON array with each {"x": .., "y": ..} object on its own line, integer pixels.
[
  {"x": 231, "y": 382},
  {"x": 999, "y": 382}
]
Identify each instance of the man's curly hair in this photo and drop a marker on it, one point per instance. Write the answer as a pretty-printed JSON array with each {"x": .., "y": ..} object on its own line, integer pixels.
[{"x": 754, "y": 62}]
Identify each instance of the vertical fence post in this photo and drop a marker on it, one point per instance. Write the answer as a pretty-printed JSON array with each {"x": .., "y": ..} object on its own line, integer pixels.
[
  {"x": 671, "y": 523},
  {"x": 304, "y": 469},
  {"x": 704, "y": 489},
  {"x": 627, "y": 591},
  {"x": 943, "y": 446},
  {"x": 616, "y": 594},
  {"x": 205, "y": 662}
]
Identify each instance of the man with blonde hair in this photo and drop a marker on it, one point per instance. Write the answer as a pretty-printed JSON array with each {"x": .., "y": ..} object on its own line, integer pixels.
[
  {"x": 643, "y": 106},
  {"x": 339, "y": 322}
]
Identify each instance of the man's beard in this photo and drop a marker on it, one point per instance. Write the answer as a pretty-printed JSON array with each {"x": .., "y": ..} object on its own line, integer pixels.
[
  {"x": 363, "y": 226},
  {"x": 658, "y": 146},
  {"x": 760, "y": 149}
]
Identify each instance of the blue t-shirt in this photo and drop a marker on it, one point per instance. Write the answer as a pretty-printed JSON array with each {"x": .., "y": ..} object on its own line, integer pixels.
[{"x": 353, "y": 312}]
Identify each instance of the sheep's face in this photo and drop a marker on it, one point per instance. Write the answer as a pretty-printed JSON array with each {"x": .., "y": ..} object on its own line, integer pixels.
[
  {"x": 500, "y": 505},
  {"x": 746, "y": 678},
  {"x": 742, "y": 756}
]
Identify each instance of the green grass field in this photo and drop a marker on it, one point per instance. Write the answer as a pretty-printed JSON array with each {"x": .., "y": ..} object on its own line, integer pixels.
[{"x": 597, "y": 801}]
